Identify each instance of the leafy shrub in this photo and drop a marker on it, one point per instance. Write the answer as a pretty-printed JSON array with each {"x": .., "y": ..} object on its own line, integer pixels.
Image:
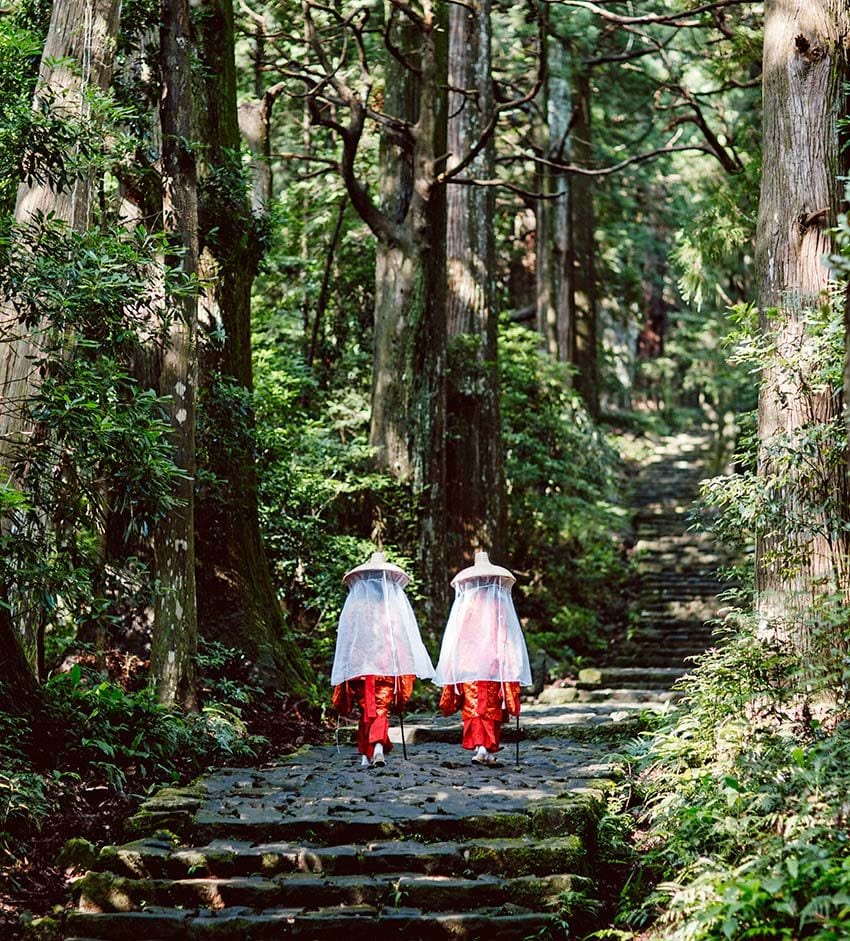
[
  {"x": 746, "y": 798},
  {"x": 66, "y": 549},
  {"x": 99, "y": 733}
]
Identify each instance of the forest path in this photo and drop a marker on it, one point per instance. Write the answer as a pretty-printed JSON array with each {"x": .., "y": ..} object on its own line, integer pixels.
[
  {"x": 429, "y": 847},
  {"x": 676, "y": 566}
]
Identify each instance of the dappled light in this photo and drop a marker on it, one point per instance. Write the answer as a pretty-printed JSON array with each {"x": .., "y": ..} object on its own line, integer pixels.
[{"x": 424, "y": 470}]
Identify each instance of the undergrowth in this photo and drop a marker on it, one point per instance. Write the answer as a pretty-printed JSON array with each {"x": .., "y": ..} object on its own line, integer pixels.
[
  {"x": 91, "y": 732},
  {"x": 743, "y": 805}
]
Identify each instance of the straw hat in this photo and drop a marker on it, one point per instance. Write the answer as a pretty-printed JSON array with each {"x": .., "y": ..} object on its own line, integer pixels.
[
  {"x": 483, "y": 568},
  {"x": 378, "y": 563}
]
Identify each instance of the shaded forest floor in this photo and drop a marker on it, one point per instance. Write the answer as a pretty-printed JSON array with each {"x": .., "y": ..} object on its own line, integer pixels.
[{"x": 31, "y": 882}]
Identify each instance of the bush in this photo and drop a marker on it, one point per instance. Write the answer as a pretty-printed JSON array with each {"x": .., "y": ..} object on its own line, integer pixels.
[
  {"x": 102, "y": 735},
  {"x": 746, "y": 802}
]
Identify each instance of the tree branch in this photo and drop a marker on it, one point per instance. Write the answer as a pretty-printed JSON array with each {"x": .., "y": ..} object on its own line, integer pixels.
[
  {"x": 664, "y": 19},
  {"x": 499, "y": 110},
  {"x": 572, "y": 168}
]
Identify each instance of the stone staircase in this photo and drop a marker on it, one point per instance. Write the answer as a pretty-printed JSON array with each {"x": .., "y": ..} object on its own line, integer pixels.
[
  {"x": 675, "y": 564},
  {"x": 430, "y": 847},
  {"x": 678, "y": 588}
]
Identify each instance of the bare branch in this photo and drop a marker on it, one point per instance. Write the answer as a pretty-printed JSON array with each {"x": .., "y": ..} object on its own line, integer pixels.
[
  {"x": 379, "y": 223},
  {"x": 505, "y": 184},
  {"x": 500, "y": 109},
  {"x": 729, "y": 160},
  {"x": 614, "y": 168},
  {"x": 256, "y": 17},
  {"x": 306, "y": 158},
  {"x": 664, "y": 19},
  {"x": 406, "y": 10},
  {"x": 331, "y": 73},
  {"x": 394, "y": 50}
]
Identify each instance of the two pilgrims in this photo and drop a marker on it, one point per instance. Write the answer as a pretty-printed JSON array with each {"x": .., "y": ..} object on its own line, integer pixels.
[{"x": 483, "y": 659}]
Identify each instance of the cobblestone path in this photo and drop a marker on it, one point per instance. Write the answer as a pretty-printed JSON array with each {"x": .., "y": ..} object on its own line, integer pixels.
[{"x": 430, "y": 847}]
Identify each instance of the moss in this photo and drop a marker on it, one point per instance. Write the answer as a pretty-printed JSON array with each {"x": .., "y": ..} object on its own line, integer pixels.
[
  {"x": 565, "y": 817},
  {"x": 520, "y": 857},
  {"x": 77, "y": 855},
  {"x": 45, "y": 928},
  {"x": 590, "y": 675},
  {"x": 105, "y": 892},
  {"x": 145, "y": 822},
  {"x": 611, "y": 731},
  {"x": 536, "y": 891}
]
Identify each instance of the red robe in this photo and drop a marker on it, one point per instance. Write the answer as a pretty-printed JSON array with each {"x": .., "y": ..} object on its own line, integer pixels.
[
  {"x": 376, "y": 696},
  {"x": 483, "y": 710}
]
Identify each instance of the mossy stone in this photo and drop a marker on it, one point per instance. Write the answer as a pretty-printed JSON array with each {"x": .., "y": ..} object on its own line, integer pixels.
[{"x": 77, "y": 854}]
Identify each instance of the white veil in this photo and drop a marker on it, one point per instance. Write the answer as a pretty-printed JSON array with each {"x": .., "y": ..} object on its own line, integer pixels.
[
  {"x": 378, "y": 633},
  {"x": 483, "y": 639}
]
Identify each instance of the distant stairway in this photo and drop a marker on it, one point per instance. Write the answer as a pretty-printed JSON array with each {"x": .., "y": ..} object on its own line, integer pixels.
[
  {"x": 677, "y": 597},
  {"x": 676, "y": 565}
]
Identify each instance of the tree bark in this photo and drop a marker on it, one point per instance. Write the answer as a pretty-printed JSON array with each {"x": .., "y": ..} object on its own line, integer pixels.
[
  {"x": 237, "y": 601},
  {"x": 583, "y": 251},
  {"x": 18, "y": 686},
  {"x": 652, "y": 331},
  {"x": 175, "y": 617},
  {"x": 554, "y": 310},
  {"x": 407, "y": 426},
  {"x": 396, "y": 266},
  {"x": 474, "y": 468},
  {"x": 79, "y": 54},
  {"x": 805, "y": 66}
]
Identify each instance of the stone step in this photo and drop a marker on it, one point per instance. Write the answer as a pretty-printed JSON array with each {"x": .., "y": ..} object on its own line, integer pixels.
[
  {"x": 626, "y": 677},
  {"x": 105, "y": 892},
  {"x": 656, "y": 630},
  {"x": 667, "y": 585},
  {"x": 648, "y": 638},
  {"x": 570, "y": 815},
  {"x": 673, "y": 628},
  {"x": 651, "y": 629},
  {"x": 649, "y": 594},
  {"x": 154, "y": 858},
  {"x": 635, "y": 697},
  {"x": 360, "y": 923},
  {"x": 651, "y": 661},
  {"x": 582, "y": 722},
  {"x": 664, "y": 564}
]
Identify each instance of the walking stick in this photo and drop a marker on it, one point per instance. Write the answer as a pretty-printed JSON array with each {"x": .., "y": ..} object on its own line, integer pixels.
[
  {"x": 517, "y": 743},
  {"x": 403, "y": 743}
]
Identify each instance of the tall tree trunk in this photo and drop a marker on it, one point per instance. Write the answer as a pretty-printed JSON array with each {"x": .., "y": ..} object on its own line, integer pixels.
[
  {"x": 175, "y": 618},
  {"x": 408, "y": 388},
  {"x": 554, "y": 319},
  {"x": 474, "y": 471},
  {"x": 396, "y": 269},
  {"x": 652, "y": 331},
  {"x": 583, "y": 251},
  {"x": 237, "y": 601},
  {"x": 805, "y": 66},
  {"x": 79, "y": 54}
]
